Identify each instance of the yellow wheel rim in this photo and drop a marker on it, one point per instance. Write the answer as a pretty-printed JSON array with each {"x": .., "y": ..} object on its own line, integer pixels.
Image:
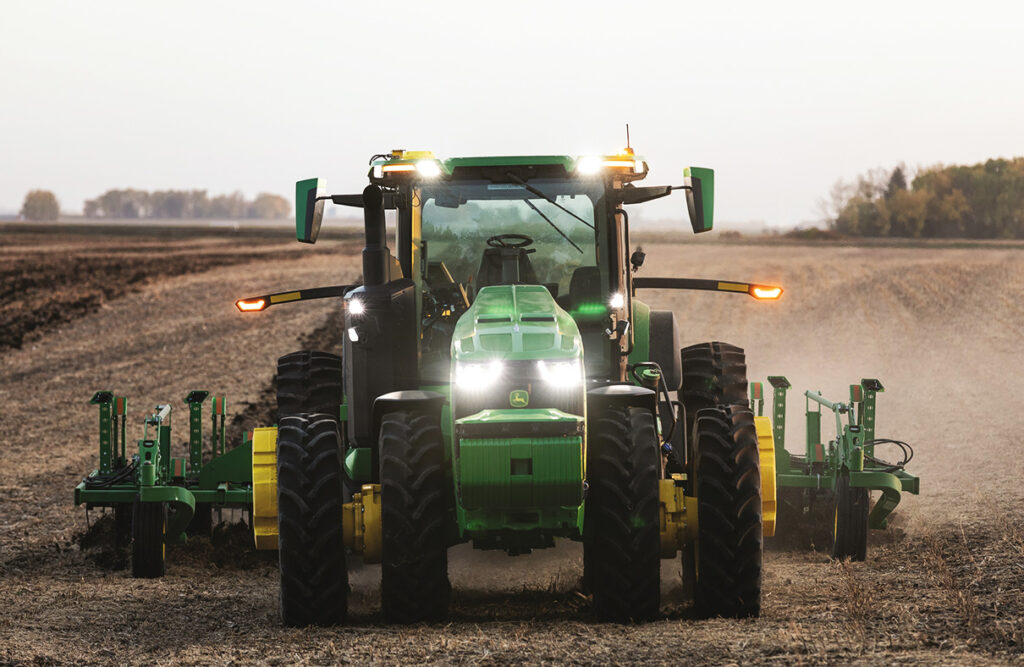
[{"x": 766, "y": 452}]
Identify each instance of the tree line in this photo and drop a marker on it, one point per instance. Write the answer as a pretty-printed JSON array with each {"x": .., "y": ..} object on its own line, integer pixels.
[
  {"x": 981, "y": 201},
  {"x": 42, "y": 205},
  {"x": 185, "y": 204}
]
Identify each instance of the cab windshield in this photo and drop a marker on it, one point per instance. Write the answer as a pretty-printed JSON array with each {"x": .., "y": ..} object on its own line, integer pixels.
[{"x": 457, "y": 219}]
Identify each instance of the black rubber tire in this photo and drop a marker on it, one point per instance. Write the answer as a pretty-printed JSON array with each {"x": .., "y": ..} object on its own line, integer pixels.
[
  {"x": 414, "y": 515},
  {"x": 850, "y": 527},
  {"x": 622, "y": 540},
  {"x": 729, "y": 543},
  {"x": 314, "y": 574},
  {"x": 149, "y": 529},
  {"x": 664, "y": 345},
  {"x": 713, "y": 374},
  {"x": 309, "y": 382}
]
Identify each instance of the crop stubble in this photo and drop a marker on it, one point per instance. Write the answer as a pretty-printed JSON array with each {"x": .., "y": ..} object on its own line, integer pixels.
[{"x": 938, "y": 327}]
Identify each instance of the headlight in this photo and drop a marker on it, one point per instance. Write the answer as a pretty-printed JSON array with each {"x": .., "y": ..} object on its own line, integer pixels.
[
  {"x": 561, "y": 373},
  {"x": 478, "y": 375},
  {"x": 589, "y": 164},
  {"x": 617, "y": 300},
  {"x": 356, "y": 307},
  {"x": 428, "y": 168}
]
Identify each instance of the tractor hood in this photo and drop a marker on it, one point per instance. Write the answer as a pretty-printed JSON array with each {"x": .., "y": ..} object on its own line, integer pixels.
[{"x": 515, "y": 322}]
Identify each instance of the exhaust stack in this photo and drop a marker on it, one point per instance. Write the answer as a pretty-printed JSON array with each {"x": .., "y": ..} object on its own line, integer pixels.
[{"x": 376, "y": 253}]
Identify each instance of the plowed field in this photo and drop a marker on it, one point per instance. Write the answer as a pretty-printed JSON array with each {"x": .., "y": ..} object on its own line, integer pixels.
[{"x": 940, "y": 326}]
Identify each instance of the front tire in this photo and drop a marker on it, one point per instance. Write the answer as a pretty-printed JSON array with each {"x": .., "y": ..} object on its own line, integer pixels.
[
  {"x": 314, "y": 574},
  {"x": 414, "y": 511},
  {"x": 621, "y": 536},
  {"x": 729, "y": 543},
  {"x": 149, "y": 531},
  {"x": 850, "y": 528}
]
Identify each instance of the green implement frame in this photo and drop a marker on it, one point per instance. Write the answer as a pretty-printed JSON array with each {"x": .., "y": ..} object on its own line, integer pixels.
[
  {"x": 153, "y": 474},
  {"x": 850, "y": 455}
]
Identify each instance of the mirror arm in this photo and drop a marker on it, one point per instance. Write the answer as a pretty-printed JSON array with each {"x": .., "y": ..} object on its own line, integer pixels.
[
  {"x": 758, "y": 291},
  {"x": 262, "y": 302},
  {"x": 634, "y": 195},
  {"x": 356, "y": 201}
]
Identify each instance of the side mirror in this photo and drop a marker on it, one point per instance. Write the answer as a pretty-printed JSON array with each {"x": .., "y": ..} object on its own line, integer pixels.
[
  {"x": 309, "y": 210},
  {"x": 700, "y": 197}
]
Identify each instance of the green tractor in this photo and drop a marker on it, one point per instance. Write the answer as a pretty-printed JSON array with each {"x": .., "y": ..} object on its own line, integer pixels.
[{"x": 501, "y": 384}]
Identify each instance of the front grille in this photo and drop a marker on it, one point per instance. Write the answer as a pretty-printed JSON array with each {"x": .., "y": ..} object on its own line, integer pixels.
[{"x": 517, "y": 375}]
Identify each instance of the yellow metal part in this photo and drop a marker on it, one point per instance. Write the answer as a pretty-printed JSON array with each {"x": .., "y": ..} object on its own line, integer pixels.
[
  {"x": 287, "y": 296},
  {"x": 766, "y": 449},
  {"x": 361, "y": 523},
  {"x": 678, "y": 514},
  {"x": 264, "y": 487},
  {"x": 412, "y": 155}
]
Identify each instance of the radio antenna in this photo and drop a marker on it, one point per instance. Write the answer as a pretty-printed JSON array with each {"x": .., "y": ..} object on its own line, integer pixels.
[{"x": 627, "y": 136}]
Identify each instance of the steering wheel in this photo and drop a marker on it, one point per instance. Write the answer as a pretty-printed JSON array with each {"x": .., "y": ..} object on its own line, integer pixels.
[{"x": 509, "y": 241}]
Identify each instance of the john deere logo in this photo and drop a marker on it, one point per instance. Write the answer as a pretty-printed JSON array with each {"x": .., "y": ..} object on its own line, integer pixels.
[{"x": 519, "y": 398}]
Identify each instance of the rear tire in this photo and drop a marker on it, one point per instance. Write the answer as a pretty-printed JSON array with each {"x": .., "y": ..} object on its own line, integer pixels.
[
  {"x": 314, "y": 574},
  {"x": 713, "y": 374},
  {"x": 850, "y": 529},
  {"x": 621, "y": 543},
  {"x": 149, "y": 530},
  {"x": 414, "y": 512},
  {"x": 309, "y": 381},
  {"x": 729, "y": 542}
]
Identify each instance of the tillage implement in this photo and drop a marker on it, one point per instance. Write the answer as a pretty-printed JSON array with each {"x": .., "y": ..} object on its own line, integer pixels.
[{"x": 502, "y": 384}]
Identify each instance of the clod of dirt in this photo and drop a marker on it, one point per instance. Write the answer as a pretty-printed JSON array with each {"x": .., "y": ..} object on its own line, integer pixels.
[{"x": 100, "y": 544}]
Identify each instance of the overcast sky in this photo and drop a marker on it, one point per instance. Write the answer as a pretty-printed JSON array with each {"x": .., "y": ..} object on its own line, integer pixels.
[{"x": 780, "y": 98}]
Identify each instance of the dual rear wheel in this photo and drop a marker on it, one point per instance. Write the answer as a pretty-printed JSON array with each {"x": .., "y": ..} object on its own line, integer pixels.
[
  {"x": 622, "y": 532},
  {"x": 414, "y": 502},
  {"x": 723, "y": 567}
]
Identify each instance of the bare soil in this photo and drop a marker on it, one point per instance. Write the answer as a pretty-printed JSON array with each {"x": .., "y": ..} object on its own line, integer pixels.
[{"x": 939, "y": 326}]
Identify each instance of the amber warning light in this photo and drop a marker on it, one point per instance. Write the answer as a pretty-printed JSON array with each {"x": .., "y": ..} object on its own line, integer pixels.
[
  {"x": 250, "y": 305},
  {"x": 765, "y": 292}
]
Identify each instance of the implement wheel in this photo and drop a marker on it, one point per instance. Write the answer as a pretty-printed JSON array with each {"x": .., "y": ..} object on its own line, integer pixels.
[
  {"x": 309, "y": 382},
  {"x": 850, "y": 528},
  {"x": 414, "y": 510},
  {"x": 314, "y": 575},
  {"x": 621, "y": 539},
  {"x": 713, "y": 374},
  {"x": 729, "y": 543},
  {"x": 149, "y": 529}
]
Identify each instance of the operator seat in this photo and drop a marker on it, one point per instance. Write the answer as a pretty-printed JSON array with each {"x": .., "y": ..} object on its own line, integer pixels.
[
  {"x": 490, "y": 267},
  {"x": 584, "y": 288}
]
